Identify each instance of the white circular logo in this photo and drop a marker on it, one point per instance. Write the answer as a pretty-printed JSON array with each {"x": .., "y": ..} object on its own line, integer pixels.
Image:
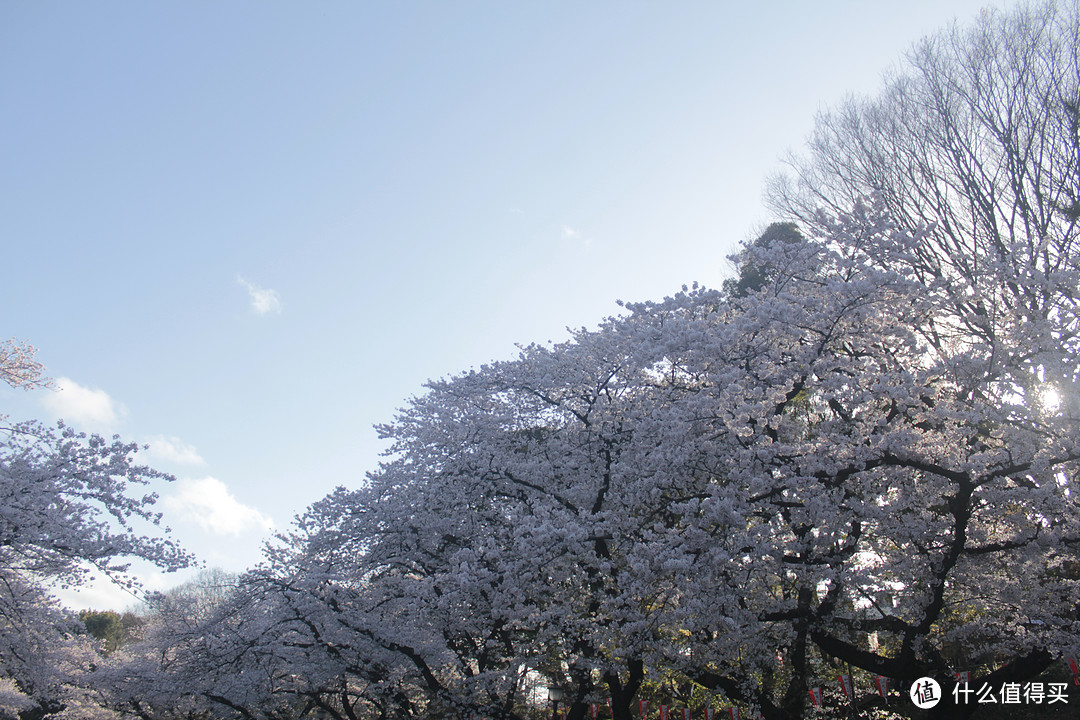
[{"x": 925, "y": 693}]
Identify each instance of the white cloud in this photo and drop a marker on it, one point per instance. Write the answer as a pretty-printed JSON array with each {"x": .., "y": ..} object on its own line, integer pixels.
[
  {"x": 98, "y": 594},
  {"x": 88, "y": 408},
  {"x": 101, "y": 593},
  {"x": 172, "y": 449},
  {"x": 208, "y": 503},
  {"x": 263, "y": 300}
]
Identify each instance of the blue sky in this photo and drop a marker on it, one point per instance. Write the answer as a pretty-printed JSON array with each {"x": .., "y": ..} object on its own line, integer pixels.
[{"x": 245, "y": 232}]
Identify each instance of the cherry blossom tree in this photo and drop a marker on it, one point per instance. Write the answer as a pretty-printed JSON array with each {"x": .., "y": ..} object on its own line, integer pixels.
[
  {"x": 948, "y": 474},
  {"x": 19, "y": 367},
  {"x": 65, "y": 515},
  {"x": 564, "y": 513},
  {"x": 706, "y": 486}
]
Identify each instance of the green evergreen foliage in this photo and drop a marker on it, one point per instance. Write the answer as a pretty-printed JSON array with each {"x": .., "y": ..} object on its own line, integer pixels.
[
  {"x": 106, "y": 626},
  {"x": 756, "y": 272}
]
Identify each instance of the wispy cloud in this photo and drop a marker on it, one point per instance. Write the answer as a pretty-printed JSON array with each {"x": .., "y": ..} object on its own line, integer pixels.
[
  {"x": 172, "y": 449},
  {"x": 88, "y": 408},
  {"x": 263, "y": 300},
  {"x": 570, "y": 234},
  {"x": 208, "y": 503}
]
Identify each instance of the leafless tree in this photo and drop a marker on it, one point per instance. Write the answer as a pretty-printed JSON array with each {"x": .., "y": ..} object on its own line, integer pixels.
[{"x": 973, "y": 147}]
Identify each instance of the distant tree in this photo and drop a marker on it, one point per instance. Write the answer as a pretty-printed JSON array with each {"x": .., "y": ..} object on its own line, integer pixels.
[
  {"x": 130, "y": 622},
  {"x": 197, "y": 599}
]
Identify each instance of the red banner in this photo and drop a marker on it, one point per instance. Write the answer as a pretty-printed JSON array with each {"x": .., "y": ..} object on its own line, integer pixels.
[
  {"x": 815, "y": 696},
  {"x": 643, "y": 708},
  {"x": 847, "y": 686}
]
